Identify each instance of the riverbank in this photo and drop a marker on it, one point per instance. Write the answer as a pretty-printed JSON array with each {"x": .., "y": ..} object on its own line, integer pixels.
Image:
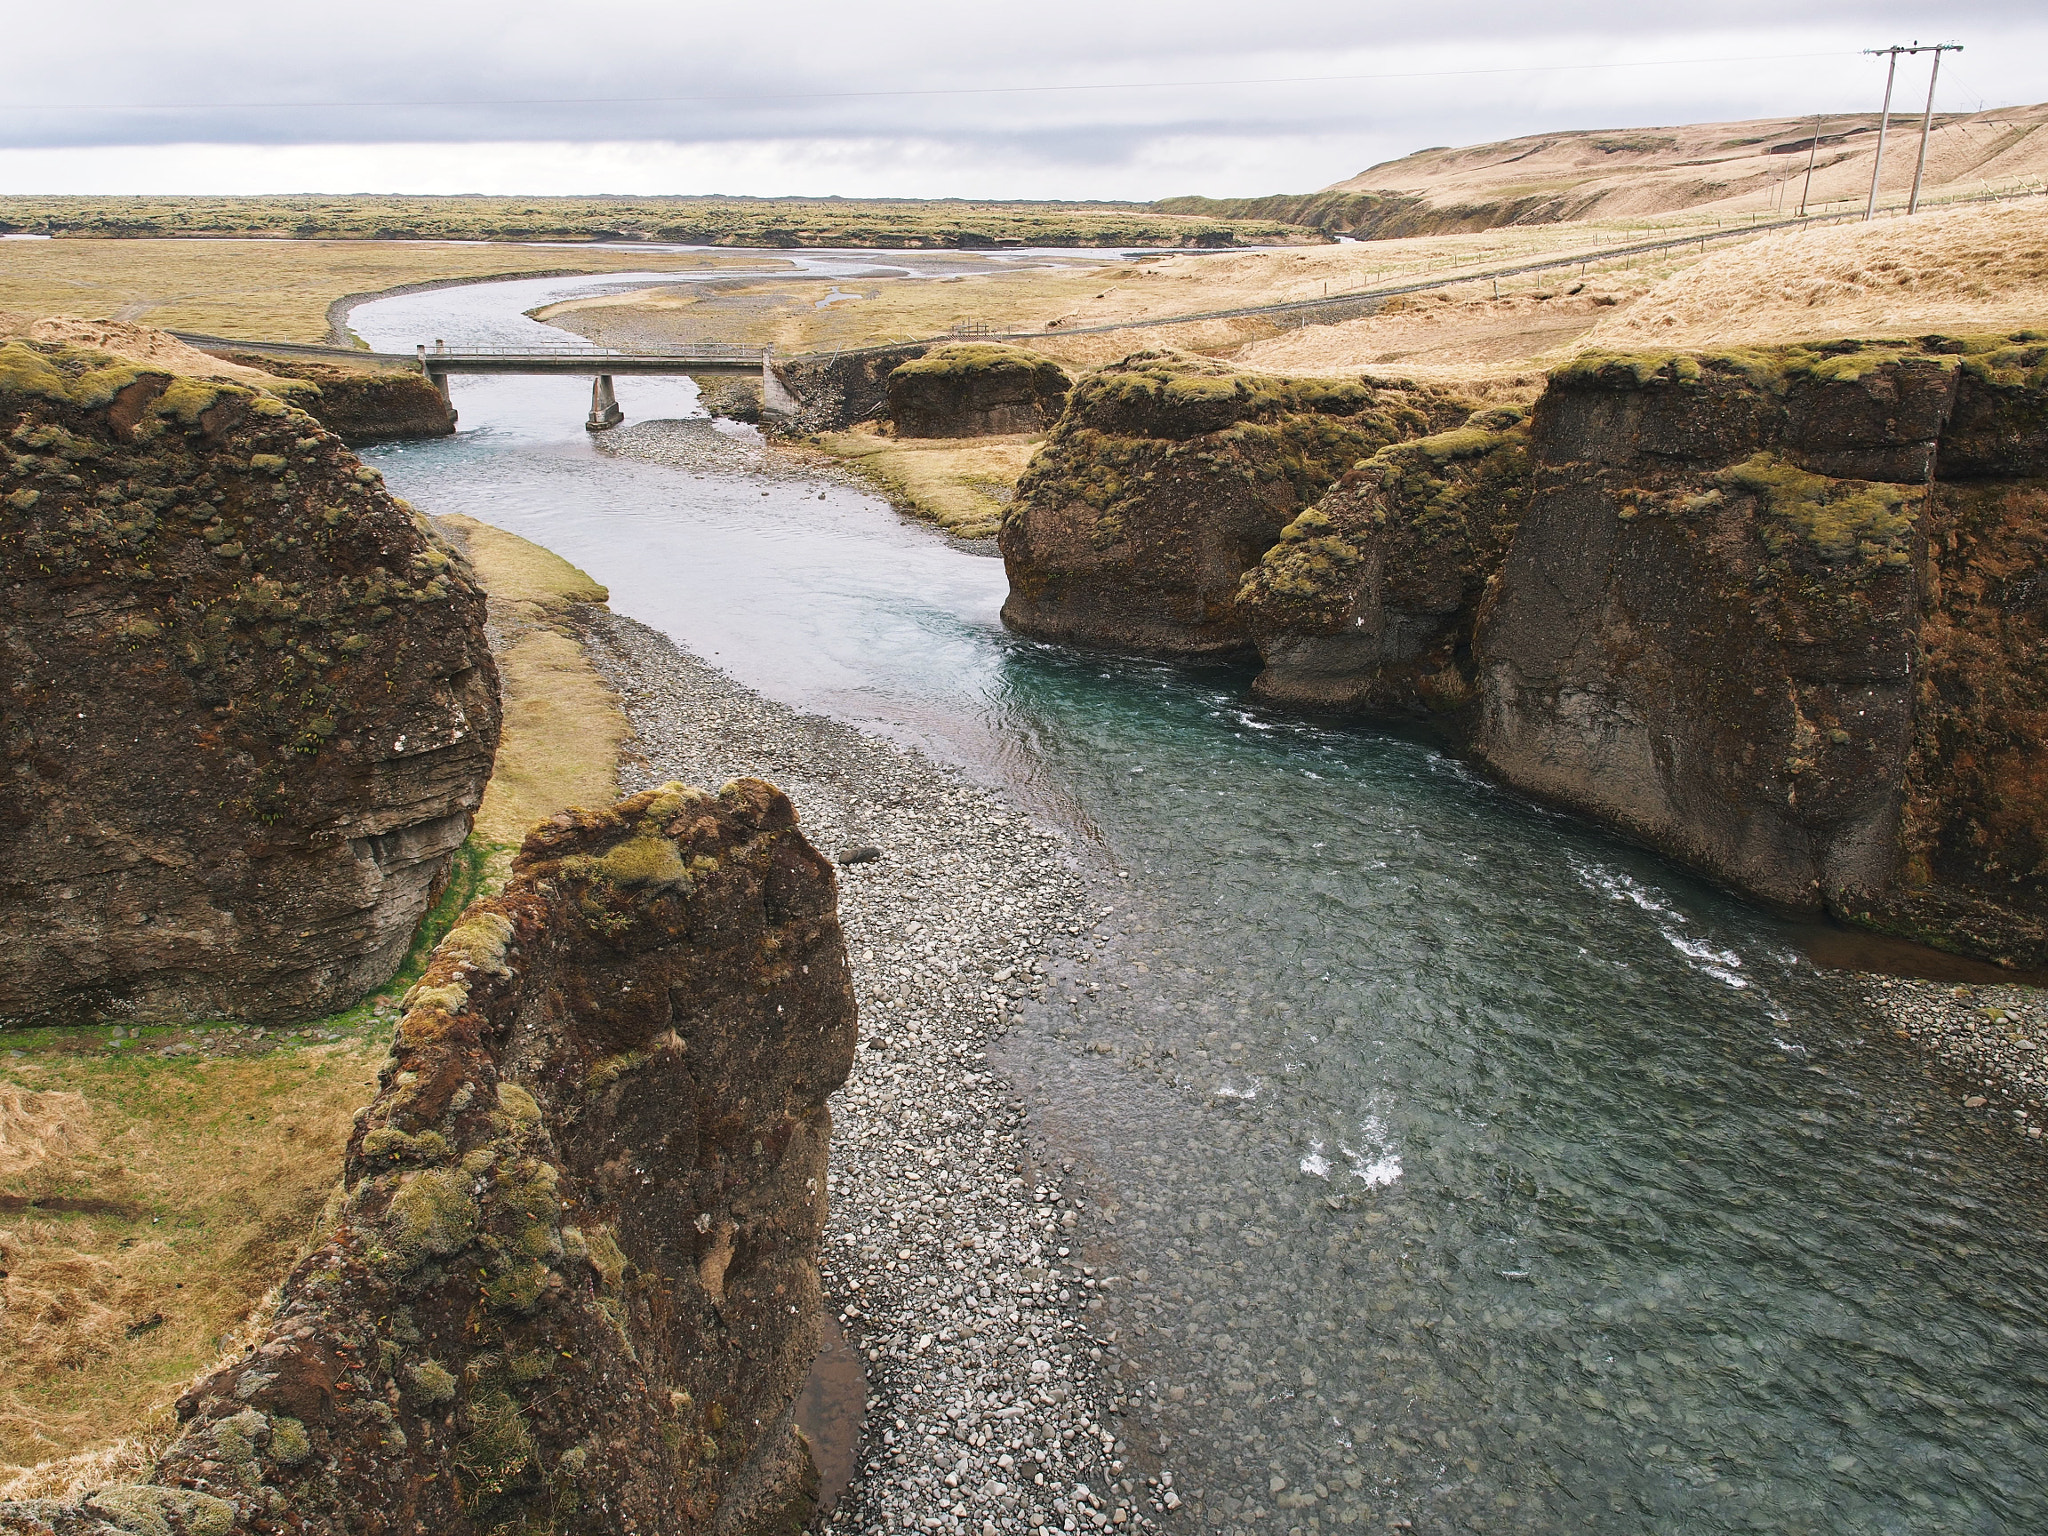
[
  {"x": 1989, "y": 1044},
  {"x": 946, "y": 1251}
]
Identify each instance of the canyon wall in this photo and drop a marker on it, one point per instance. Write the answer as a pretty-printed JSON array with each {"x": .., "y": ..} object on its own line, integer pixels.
[
  {"x": 362, "y": 405},
  {"x": 570, "y": 1278},
  {"x": 250, "y": 708},
  {"x": 1167, "y": 479},
  {"x": 976, "y": 389},
  {"x": 1778, "y": 613}
]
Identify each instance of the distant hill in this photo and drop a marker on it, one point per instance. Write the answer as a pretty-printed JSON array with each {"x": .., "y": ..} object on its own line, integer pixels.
[{"x": 1733, "y": 168}]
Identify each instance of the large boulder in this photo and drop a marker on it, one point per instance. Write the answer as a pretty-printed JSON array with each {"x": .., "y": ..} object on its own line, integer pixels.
[
  {"x": 250, "y": 706},
  {"x": 1762, "y": 613},
  {"x": 1167, "y": 479},
  {"x": 570, "y": 1279},
  {"x": 976, "y": 389},
  {"x": 1369, "y": 599}
]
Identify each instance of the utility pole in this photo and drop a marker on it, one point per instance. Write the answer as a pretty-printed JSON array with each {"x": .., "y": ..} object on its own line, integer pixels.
[
  {"x": 1884, "y": 120},
  {"x": 1885, "y": 117},
  {"x": 1927, "y": 122},
  {"x": 1811, "y": 150}
]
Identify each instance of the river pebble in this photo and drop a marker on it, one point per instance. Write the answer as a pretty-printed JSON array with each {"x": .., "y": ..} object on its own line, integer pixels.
[
  {"x": 1989, "y": 1042},
  {"x": 946, "y": 1247}
]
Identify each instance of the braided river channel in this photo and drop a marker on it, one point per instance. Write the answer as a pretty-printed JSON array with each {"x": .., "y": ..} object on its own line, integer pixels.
[{"x": 1448, "y": 1161}]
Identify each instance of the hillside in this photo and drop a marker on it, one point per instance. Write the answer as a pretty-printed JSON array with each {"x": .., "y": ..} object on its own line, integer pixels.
[{"x": 1717, "y": 169}]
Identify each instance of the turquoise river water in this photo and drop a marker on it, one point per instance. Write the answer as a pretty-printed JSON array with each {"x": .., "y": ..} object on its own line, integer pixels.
[{"x": 1463, "y": 1165}]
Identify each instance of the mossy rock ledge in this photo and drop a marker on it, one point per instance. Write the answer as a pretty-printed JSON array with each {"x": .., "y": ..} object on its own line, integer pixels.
[
  {"x": 570, "y": 1279},
  {"x": 362, "y": 405},
  {"x": 250, "y": 705},
  {"x": 1166, "y": 480},
  {"x": 976, "y": 389},
  {"x": 1781, "y": 613}
]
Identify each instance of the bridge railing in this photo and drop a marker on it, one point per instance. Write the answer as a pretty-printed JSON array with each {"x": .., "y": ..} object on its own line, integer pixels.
[{"x": 711, "y": 351}]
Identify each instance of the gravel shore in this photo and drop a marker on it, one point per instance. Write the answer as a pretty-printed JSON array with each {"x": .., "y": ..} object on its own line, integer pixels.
[
  {"x": 946, "y": 1250},
  {"x": 1990, "y": 1043}
]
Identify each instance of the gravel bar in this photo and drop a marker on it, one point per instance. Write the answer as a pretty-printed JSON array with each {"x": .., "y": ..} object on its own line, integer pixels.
[
  {"x": 947, "y": 1248},
  {"x": 1989, "y": 1042}
]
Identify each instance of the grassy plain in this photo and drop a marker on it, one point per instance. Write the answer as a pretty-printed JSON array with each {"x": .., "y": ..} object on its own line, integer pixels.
[
  {"x": 890, "y": 224},
  {"x": 273, "y": 290}
]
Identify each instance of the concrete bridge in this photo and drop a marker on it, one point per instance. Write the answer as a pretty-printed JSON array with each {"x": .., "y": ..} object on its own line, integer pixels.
[{"x": 600, "y": 364}]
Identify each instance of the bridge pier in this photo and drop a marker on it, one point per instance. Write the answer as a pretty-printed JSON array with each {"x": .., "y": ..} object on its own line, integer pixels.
[{"x": 604, "y": 406}]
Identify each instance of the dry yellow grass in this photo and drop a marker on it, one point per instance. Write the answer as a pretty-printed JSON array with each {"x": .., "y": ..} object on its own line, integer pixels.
[
  {"x": 1051, "y": 303},
  {"x": 188, "y": 1187},
  {"x": 1726, "y": 168},
  {"x": 276, "y": 290},
  {"x": 962, "y": 484},
  {"x": 563, "y": 727},
  {"x": 1964, "y": 269}
]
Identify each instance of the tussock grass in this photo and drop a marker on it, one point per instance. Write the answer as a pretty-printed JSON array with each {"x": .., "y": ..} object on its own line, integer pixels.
[
  {"x": 150, "y": 1201},
  {"x": 961, "y": 484}
]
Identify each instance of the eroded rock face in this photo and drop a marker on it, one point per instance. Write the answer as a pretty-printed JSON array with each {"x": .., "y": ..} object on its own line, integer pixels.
[
  {"x": 363, "y": 405},
  {"x": 571, "y": 1281},
  {"x": 976, "y": 389},
  {"x": 833, "y": 392},
  {"x": 250, "y": 708},
  {"x": 1761, "y": 616},
  {"x": 1368, "y": 600},
  {"x": 1166, "y": 481}
]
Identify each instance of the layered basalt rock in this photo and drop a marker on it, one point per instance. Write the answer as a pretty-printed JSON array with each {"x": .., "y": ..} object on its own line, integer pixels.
[
  {"x": 250, "y": 706},
  {"x": 1762, "y": 616},
  {"x": 976, "y": 389},
  {"x": 362, "y": 405},
  {"x": 1166, "y": 481},
  {"x": 1778, "y": 613},
  {"x": 1369, "y": 599},
  {"x": 571, "y": 1277}
]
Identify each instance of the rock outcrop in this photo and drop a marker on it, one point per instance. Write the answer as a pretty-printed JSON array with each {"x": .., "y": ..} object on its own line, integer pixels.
[
  {"x": 361, "y": 405},
  {"x": 250, "y": 707},
  {"x": 571, "y": 1280},
  {"x": 1167, "y": 479},
  {"x": 831, "y": 392},
  {"x": 1764, "y": 615},
  {"x": 1368, "y": 601},
  {"x": 976, "y": 389},
  {"x": 1782, "y": 614}
]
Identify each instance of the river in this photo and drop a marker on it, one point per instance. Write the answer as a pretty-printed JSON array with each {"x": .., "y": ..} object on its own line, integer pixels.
[{"x": 1457, "y": 1158}]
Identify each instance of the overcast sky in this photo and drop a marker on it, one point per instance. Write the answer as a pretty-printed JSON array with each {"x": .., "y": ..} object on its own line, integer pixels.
[{"x": 912, "y": 98}]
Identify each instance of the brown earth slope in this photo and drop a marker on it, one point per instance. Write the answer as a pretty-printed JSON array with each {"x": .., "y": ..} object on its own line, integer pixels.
[{"x": 1729, "y": 168}]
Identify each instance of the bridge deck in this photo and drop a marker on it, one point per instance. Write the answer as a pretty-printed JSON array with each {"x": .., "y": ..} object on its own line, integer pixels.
[{"x": 585, "y": 361}]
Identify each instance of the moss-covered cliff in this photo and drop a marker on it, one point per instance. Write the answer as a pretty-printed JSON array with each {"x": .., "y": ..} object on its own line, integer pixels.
[
  {"x": 569, "y": 1281},
  {"x": 976, "y": 389},
  {"x": 1167, "y": 478},
  {"x": 361, "y": 405},
  {"x": 1368, "y": 600},
  {"x": 250, "y": 706},
  {"x": 1772, "y": 612}
]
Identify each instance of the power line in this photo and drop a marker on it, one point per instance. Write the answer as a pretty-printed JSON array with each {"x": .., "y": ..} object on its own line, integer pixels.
[{"x": 964, "y": 90}]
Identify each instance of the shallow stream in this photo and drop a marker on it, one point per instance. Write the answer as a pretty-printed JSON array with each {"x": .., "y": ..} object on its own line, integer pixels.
[{"x": 1447, "y": 1161}]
